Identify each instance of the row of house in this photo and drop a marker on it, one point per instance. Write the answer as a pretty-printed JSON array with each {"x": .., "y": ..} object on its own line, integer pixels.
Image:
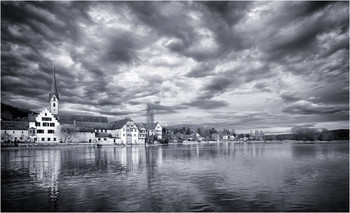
[{"x": 52, "y": 126}]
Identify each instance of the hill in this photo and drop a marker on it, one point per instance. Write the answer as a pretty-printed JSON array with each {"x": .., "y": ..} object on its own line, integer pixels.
[{"x": 11, "y": 113}]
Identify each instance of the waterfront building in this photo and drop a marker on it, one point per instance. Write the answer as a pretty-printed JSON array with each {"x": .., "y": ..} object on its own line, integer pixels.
[
  {"x": 88, "y": 128},
  {"x": 154, "y": 129},
  {"x": 44, "y": 127},
  {"x": 142, "y": 132},
  {"x": 14, "y": 131},
  {"x": 126, "y": 130}
]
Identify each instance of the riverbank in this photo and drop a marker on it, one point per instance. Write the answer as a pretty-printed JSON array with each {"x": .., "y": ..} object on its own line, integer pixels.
[
  {"x": 43, "y": 145},
  {"x": 39, "y": 145}
]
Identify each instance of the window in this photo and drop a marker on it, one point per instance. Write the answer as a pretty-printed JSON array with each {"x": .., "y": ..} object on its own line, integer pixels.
[
  {"x": 20, "y": 138},
  {"x": 105, "y": 130},
  {"x": 42, "y": 139},
  {"x": 48, "y": 139},
  {"x": 54, "y": 104},
  {"x": 99, "y": 139},
  {"x": 46, "y": 124},
  {"x": 37, "y": 123},
  {"x": 54, "y": 139},
  {"x": 54, "y": 99},
  {"x": 22, "y": 132},
  {"x": 45, "y": 114},
  {"x": 15, "y": 138},
  {"x": 134, "y": 134},
  {"x": 46, "y": 119},
  {"x": 5, "y": 131},
  {"x": 123, "y": 134},
  {"x": 40, "y": 131},
  {"x": 35, "y": 139},
  {"x": 13, "y": 132},
  {"x": 50, "y": 131},
  {"x": 105, "y": 139},
  {"x": 52, "y": 124}
]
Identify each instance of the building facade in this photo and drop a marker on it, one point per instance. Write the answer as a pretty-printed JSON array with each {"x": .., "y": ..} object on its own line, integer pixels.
[
  {"x": 45, "y": 128},
  {"x": 12, "y": 131}
]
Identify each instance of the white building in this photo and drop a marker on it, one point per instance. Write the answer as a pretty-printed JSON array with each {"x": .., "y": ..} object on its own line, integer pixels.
[
  {"x": 154, "y": 129},
  {"x": 127, "y": 131},
  {"x": 45, "y": 128},
  {"x": 142, "y": 132}
]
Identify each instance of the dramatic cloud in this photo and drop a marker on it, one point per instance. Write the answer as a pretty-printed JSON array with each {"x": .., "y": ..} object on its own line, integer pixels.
[{"x": 241, "y": 65}]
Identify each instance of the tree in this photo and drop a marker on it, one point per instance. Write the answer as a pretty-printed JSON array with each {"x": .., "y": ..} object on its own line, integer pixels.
[
  {"x": 7, "y": 137},
  {"x": 213, "y": 130},
  {"x": 304, "y": 133},
  {"x": 163, "y": 130},
  {"x": 68, "y": 130},
  {"x": 188, "y": 131}
]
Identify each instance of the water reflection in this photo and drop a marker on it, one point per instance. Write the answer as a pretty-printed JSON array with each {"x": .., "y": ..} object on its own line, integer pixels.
[{"x": 193, "y": 177}]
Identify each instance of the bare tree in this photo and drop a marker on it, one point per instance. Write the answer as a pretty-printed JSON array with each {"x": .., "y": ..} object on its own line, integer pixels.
[{"x": 68, "y": 130}]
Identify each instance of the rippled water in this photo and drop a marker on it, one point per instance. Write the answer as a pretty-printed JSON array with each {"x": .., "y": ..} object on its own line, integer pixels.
[{"x": 200, "y": 177}]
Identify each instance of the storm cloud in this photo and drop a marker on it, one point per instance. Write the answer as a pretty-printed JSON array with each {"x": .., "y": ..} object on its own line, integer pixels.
[{"x": 242, "y": 65}]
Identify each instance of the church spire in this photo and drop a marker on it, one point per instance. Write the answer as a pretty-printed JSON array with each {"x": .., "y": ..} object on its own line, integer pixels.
[{"x": 53, "y": 85}]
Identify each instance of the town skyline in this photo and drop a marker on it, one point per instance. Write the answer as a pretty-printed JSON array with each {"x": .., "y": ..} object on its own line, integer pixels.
[{"x": 234, "y": 65}]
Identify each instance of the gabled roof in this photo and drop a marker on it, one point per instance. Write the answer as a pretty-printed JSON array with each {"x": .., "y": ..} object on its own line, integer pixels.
[
  {"x": 150, "y": 125},
  {"x": 14, "y": 125},
  {"x": 140, "y": 125},
  {"x": 69, "y": 119},
  {"x": 120, "y": 123}
]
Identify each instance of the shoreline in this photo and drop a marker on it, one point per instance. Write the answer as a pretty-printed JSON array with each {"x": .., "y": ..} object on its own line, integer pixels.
[{"x": 75, "y": 145}]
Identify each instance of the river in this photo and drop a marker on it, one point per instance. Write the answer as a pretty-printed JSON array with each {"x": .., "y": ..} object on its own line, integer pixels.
[{"x": 197, "y": 177}]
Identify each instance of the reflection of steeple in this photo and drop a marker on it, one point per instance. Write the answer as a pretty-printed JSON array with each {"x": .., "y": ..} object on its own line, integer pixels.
[{"x": 53, "y": 85}]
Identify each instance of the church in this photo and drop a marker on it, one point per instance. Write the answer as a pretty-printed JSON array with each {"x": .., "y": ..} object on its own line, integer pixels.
[{"x": 53, "y": 126}]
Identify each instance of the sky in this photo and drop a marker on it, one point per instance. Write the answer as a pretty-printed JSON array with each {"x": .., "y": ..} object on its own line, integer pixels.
[{"x": 234, "y": 65}]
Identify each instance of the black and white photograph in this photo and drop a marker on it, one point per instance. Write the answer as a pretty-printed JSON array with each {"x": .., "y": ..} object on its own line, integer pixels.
[{"x": 174, "y": 106}]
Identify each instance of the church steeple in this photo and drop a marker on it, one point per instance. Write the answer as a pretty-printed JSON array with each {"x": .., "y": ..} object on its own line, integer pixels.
[
  {"x": 53, "y": 95},
  {"x": 53, "y": 85}
]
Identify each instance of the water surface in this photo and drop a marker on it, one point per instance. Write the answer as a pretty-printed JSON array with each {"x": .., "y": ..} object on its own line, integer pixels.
[{"x": 199, "y": 177}]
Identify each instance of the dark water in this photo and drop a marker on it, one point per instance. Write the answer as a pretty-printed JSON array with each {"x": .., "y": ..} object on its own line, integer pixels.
[{"x": 204, "y": 177}]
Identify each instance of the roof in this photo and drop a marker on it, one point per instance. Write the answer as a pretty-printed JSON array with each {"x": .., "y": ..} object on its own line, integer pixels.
[
  {"x": 150, "y": 125},
  {"x": 14, "y": 125},
  {"x": 102, "y": 135},
  {"x": 53, "y": 86},
  {"x": 140, "y": 125},
  {"x": 94, "y": 125},
  {"x": 69, "y": 119},
  {"x": 120, "y": 123}
]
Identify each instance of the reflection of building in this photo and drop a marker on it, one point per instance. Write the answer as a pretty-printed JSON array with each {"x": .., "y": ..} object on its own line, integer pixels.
[{"x": 46, "y": 167}]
